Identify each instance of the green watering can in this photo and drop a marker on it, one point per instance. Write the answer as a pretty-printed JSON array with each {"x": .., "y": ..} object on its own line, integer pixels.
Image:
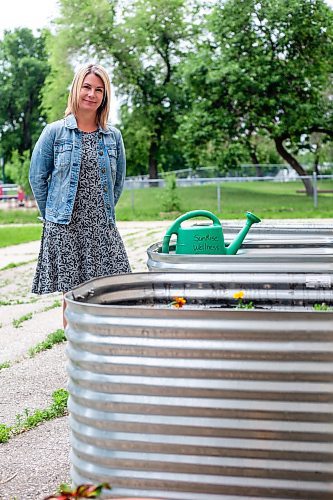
[{"x": 205, "y": 239}]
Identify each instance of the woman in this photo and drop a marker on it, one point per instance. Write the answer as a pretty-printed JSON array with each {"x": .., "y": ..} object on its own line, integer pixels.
[{"x": 77, "y": 174}]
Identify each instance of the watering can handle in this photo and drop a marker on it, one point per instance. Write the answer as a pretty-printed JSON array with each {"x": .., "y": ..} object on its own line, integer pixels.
[{"x": 173, "y": 229}]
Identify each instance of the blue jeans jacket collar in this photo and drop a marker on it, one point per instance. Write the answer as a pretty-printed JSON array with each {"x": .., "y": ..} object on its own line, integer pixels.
[{"x": 71, "y": 123}]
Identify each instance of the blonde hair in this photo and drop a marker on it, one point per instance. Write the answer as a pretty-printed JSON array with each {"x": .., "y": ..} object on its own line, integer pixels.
[{"x": 74, "y": 94}]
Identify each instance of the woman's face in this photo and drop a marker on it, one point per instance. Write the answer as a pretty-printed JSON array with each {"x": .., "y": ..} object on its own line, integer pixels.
[{"x": 91, "y": 93}]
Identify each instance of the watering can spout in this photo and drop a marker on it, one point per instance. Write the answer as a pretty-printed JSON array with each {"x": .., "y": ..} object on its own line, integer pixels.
[{"x": 233, "y": 248}]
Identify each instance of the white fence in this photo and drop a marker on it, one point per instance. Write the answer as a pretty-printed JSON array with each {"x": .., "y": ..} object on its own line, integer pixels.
[
  {"x": 10, "y": 191},
  {"x": 140, "y": 183}
]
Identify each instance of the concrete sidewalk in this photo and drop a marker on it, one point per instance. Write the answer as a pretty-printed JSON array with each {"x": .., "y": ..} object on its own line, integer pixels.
[{"x": 26, "y": 252}]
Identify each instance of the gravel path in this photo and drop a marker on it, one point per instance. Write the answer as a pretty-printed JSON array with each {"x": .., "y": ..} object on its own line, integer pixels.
[
  {"x": 31, "y": 382},
  {"x": 35, "y": 463}
]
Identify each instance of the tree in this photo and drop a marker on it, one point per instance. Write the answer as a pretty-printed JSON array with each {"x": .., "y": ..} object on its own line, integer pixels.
[
  {"x": 142, "y": 42},
  {"x": 18, "y": 169},
  {"x": 264, "y": 70},
  {"x": 23, "y": 68}
]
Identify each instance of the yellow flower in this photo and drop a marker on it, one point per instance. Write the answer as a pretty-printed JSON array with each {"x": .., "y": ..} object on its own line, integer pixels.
[{"x": 239, "y": 295}]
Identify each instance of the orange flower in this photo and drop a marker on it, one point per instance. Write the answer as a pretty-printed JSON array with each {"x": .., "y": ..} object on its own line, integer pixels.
[{"x": 178, "y": 302}]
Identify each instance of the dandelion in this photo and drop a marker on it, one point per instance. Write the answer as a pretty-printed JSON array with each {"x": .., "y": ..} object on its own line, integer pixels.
[
  {"x": 240, "y": 305},
  {"x": 178, "y": 302}
]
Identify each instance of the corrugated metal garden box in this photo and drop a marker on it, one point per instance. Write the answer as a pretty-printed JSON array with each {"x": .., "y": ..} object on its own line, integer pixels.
[{"x": 197, "y": 403}]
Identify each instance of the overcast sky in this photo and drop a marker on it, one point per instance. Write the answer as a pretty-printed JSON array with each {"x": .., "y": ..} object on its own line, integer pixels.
[
  {"x": 34, "y": 13},
  {"x": 26, "y": 13}
]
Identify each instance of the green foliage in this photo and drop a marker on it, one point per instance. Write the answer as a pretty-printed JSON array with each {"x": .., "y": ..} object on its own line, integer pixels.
[
  {"x": 4, "y": 433},
  {"x": 59, "y": 405},
  {"x": 12, "y": 265},
  {"x": 262, "y": 70},
  {"x": 14, "y": 236},
  {"x": 245, "y": 305},
  {"x": 18, "y": 216},
  {"x": 5, "y": 364},
  {"x": 271, "y": 200},
  {"x": 54, "y": 93},
  {"x": 27, "y": 421},
  {"x": 136, "y": 134},
  {"x": 53, "y": 338},
  {"x": 142, "y": 46},
  {"x": 23, "y": 68},
  {"x": 200, "y": 83},
  {"x": 322, "y": 307},
  {"x": 83, "y": 33},
  {"x": 57, "y": 409},
  {"x": 17, "y": 323},
  {"x": 66, "y": 492},
  {"x": 56, "y": 303},
  {"x": 170, "y": 201},
  {"x": 17, "y": 169},
  {"x": 9, "y": 302}
]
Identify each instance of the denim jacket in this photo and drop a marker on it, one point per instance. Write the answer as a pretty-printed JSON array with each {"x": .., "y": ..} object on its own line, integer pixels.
[{"x": 55, "y": 168}]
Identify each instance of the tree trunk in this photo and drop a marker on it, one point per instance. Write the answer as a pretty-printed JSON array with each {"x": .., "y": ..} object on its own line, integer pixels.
[
  {"x": 152, "y": 156},
  {"x": 294, "y": 164},
  {"x": 253, "y": 154},
  {"x": 255, "y": 161},
  {"x": 152, "y": 162},
  {"x": 259, "y": 171},
  {"x": 27, "y": 140},
  {"x": 316, "y": 161}
]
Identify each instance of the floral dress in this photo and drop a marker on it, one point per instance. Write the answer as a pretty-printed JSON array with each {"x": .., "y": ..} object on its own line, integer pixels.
[{"x": 90, "y": 245}]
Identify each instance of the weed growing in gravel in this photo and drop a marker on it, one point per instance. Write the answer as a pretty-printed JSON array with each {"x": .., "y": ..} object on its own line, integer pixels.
[
  {"x": 12, "y": 265},
  {"x": 25, "y": 422},
  {"x": 5, "y": 364},
  {"x": 53, "y": 338},
  {"x": 16, "y": 302},
  {"x": 57, "y": 409},
  {"x": 18, "y": 322},
  {"x": 11, "y": 302},
  {"x": 56, "y": 303},
  {"x": 4, "y": 433},
  {"x": 4, "y": 283}
]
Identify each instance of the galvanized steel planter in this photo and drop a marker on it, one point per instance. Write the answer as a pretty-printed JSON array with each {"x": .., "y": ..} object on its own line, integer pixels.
[
  {"x": 198, "y": 403},
  {"x": 272, "y": 230},
  {"x": 250, "y": 258},
  {"x": 269, "y": 247}
]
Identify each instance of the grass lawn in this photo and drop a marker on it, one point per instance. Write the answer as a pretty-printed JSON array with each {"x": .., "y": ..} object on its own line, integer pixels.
[
  {"x": 268, "y": 200},
  {"x": 19, "y": 216},
  {"x": 13, "y": 235}
]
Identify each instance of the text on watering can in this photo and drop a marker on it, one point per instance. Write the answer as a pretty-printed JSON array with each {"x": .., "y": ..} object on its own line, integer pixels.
[{"x": 203, "y": 243}]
